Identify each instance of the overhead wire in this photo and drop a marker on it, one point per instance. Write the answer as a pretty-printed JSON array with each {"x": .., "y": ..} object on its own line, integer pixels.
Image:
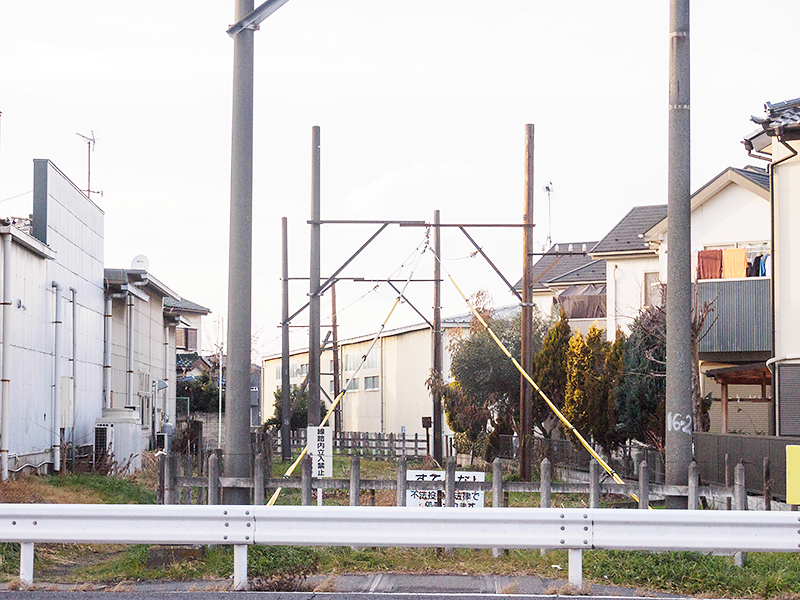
[
  {"x": 338, "y": 398},
  {"x": 567, "y": 424}
]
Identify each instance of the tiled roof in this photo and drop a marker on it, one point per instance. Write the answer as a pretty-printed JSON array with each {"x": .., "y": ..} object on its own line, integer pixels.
[
  {"x": 624, "y": 237},
  {"x": 186, "y": 361},
  {"x": 497, "y": 313},
  {"x": 594, "y": 271},
  {"x": 550, "y": 266},
  {"x": 184, "y": 305},
  {"x": 755, "y": 174},
  {"x": 781, "y": 114}
]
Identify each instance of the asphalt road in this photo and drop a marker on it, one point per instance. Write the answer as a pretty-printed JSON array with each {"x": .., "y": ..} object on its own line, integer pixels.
[{"x": 392, "y": 585}]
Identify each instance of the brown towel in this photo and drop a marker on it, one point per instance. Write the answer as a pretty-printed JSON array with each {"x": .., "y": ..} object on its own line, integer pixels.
[
  {"x": 734, "y": 263},
  {"x": 709, "y": 264}
]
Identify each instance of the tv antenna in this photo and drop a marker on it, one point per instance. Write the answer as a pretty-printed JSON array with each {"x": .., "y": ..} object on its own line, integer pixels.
[
  {"x": 548, "y": 189},
  {"x": 90, "y": 142}
]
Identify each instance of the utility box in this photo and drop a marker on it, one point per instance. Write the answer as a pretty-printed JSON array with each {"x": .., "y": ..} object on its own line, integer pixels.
[{"x": 118, "y": 440}]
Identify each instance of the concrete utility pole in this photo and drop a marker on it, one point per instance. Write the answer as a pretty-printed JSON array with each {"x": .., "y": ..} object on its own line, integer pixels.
[
  {"x": 679, "y": 277},
  {"x": 526, "y": 390},
  {"x": 286, "y": 411},
  {"x": 437, "y": 337},
  {"x": 240, "y": 264},
  {"x": 313, "y": 284}
]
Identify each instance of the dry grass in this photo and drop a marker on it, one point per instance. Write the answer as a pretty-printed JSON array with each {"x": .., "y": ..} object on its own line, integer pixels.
[
  {"x": 33, "y": 490},
  {"x": 511, "y": 588},
  {"x": 569, "y": 589},
  {"x": 122, "y": 586},
  {"x": 329, "y": 585}
]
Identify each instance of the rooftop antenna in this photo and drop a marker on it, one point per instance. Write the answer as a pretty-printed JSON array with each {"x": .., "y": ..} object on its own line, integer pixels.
[
  {"x": 548, "y": 189},
  {"x": 90, "y": 142}
]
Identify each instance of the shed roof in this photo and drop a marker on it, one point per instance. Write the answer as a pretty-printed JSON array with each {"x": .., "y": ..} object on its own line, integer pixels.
[
  {"x": 184, "y": 305},
  {"x": 593, "y": 272}
]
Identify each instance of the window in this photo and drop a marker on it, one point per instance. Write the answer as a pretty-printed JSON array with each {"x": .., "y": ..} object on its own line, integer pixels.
[
  {"x": 304, "y": 369},
  {"x": 652, "y": 289},
  {"x": 186, "y": 339},
  {"x": 373, "y": 359},
  {"x": 353, "y": 386},
  {"x": 371, "y": 383},
  {"x": 351, "y": 360},
  {"x": 278, "y": 374}
]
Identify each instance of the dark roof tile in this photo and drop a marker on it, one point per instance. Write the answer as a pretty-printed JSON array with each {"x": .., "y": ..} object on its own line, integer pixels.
[
  {"x": 624, "y": 237},
  {"x": 550, "y": 265}
]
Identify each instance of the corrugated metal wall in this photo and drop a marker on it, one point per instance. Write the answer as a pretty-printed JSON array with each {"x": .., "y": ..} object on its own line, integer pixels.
[{"x": 742, "y": 313}]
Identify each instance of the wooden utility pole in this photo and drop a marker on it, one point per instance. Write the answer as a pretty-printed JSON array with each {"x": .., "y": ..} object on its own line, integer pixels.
[{"x": 526, "y": 391}]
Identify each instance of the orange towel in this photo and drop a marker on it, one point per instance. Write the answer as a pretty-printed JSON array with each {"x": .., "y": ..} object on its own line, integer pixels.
[{"x": 734, "y": 263}]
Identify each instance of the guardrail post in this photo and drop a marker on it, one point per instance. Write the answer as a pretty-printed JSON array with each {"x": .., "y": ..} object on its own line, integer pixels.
[
  {"x": 306, "y": 481},
  {"x": 694, "y": 483},
  {"x": 450, "y": 481},
  {"x": 594, "y": 485},
  {"x": 576, "y": 566},
  {"x": 213, "y": 478},
  {"x": 402, "y": 484},
  {"x": 240, "y": 567},
  {"x": 355, "y": 481},
  {"x": 644, "y": 485},
  {"x": 740, "y": 503},
  {"x": 767, "y": 485},
  {"x": 26, "y": 562},
  {"x": 544, "y": 483},
  {"x": 258, "y": 480}
]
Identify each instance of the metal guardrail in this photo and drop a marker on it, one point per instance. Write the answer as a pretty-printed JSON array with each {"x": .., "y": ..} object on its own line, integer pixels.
[{"x": 571, "y": 529}]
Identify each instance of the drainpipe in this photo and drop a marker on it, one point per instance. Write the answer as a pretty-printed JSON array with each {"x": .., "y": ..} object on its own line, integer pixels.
[
  {"x": 6, "y": 372},
  {"x": 107, "y": 354},
  {"x": 57, "y": 379},
  {"x": 74, "y": 356},
  {"x": 131, "y": 336}
]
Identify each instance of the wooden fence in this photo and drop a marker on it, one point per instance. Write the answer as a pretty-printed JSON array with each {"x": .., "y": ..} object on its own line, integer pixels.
[{"x": 185, "y": 480}]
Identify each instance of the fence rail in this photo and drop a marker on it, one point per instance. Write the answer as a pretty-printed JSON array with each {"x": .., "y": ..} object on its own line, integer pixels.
[{"x": 572, "y": 529}]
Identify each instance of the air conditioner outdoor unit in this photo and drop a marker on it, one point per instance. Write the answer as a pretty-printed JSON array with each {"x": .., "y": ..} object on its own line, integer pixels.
[{"x": 118, "y": 435}]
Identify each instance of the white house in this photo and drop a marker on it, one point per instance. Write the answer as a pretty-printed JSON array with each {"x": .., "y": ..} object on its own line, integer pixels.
[
  {"x": 87, "y": 354},
  {"x": 778, "y": 142},
  {"x": 388, "y": 394}
]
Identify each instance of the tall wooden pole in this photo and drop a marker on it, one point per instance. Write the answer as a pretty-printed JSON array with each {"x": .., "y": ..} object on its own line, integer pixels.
[
  {"x": 526, "y": 391},
  {"x": 437, "y": 338}
]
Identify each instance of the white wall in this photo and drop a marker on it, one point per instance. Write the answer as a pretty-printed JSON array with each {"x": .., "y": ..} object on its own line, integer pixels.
[
  {"x": 72, "y": 228},
  {"x": 786, "y": 256},
  {"x": 625, "y": 291},
  {"x": 732, "y": 215}
]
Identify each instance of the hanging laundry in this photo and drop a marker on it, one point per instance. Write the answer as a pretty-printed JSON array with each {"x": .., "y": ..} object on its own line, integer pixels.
[
  {"x": 734, "y": 263},
  {"x": 754, "y": 270},
  {"x": 766, "y": 266},
  {"x": 709, "y": 264}
]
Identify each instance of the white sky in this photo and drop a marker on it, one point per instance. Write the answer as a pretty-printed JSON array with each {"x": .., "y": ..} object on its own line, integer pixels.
[{"x": 422, "y": 105}]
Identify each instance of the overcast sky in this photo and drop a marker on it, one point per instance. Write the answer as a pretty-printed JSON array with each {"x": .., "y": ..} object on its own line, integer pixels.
[{"x": 422, "y": 105}]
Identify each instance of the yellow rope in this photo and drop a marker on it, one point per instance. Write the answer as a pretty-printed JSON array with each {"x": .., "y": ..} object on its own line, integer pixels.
[
  {"x": 337, "y": 400},
  {"x": 552, "y": 406}
]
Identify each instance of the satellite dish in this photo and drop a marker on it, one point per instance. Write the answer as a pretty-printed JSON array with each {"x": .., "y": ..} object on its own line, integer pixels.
[{"x": 140, "y": 262}]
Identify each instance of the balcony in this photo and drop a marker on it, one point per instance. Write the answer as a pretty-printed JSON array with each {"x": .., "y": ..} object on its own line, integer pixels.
[{"x": 740, "y": 326}]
